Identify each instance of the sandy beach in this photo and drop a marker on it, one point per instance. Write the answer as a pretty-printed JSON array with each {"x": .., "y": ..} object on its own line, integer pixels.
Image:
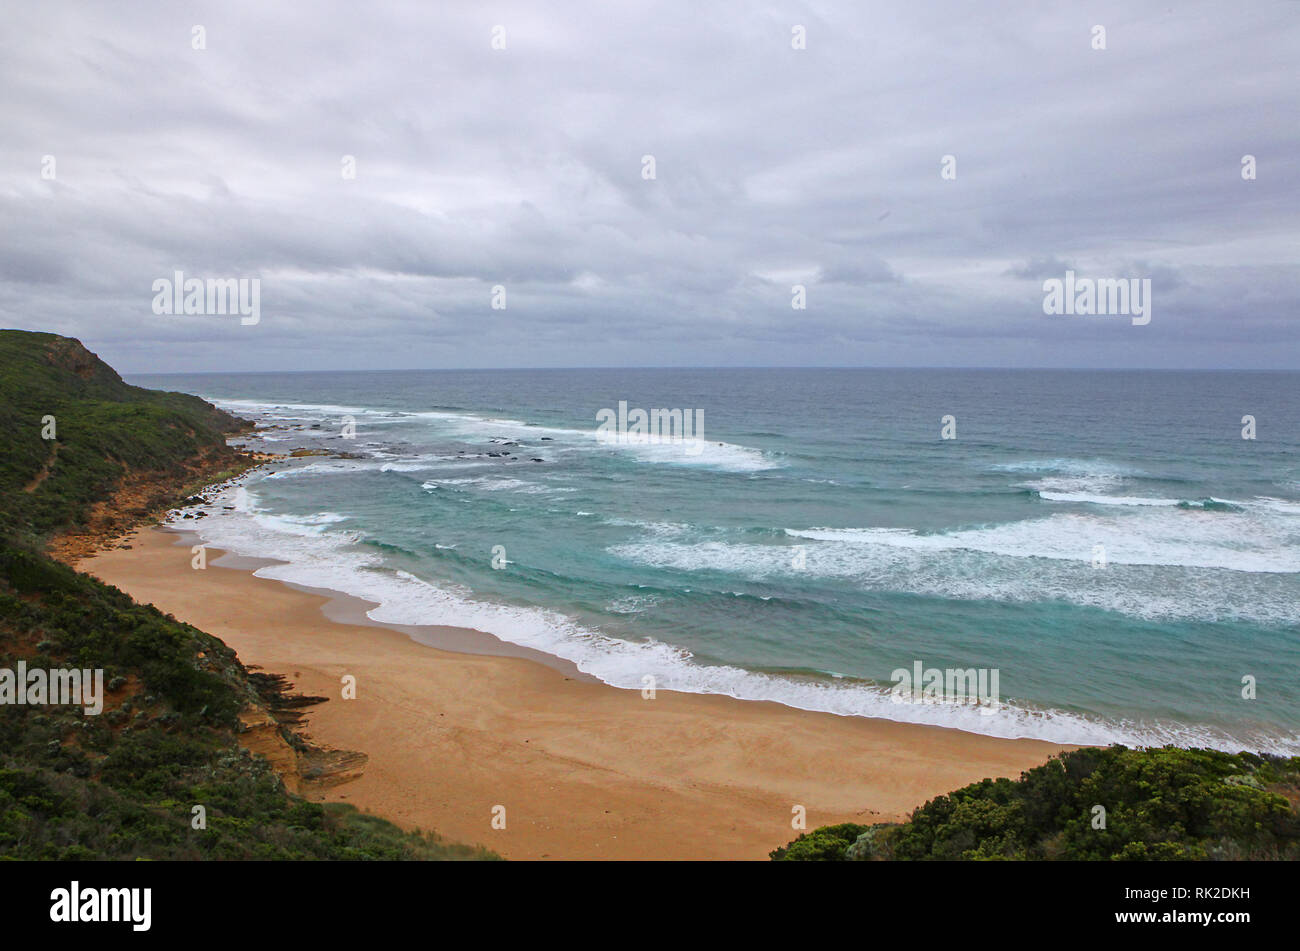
[{"x": 584, "y": 770}]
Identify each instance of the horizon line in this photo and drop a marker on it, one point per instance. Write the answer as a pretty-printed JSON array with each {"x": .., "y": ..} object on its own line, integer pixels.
[{"x": 1072, "y": 369}]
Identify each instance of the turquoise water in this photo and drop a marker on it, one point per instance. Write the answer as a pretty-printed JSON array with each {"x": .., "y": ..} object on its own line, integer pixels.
[{"x": 821, "y": 535}]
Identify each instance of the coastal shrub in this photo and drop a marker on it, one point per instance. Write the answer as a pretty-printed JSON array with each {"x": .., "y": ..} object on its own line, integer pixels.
[
  {"x": 1165, "y": 804},
  {"x": 824, "y": 844}
]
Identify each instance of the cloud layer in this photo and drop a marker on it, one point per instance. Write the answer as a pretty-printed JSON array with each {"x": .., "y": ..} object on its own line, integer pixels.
[{"x": 774, "y": 166}]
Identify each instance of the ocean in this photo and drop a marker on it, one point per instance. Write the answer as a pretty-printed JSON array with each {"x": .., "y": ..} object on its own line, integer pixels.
[{"x": 1107, "y": 542}]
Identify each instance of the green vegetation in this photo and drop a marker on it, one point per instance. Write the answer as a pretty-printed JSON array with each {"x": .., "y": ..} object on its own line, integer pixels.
[
  {"x": 123, "y": 784},
  {"x": 1160, "y": 804},
  {"x": 104, "y": 430},
  {"x": 824, "y": 844}
]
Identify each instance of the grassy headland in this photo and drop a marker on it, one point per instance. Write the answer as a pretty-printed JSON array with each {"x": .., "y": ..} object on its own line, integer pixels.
[{"x": 83, "y": 455}]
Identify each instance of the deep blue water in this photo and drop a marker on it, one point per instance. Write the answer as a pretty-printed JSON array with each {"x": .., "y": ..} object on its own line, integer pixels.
[{"x": 822, "y": 534}]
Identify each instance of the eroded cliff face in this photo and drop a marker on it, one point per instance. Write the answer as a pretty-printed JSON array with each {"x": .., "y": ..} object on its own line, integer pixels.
[
  {"x": 144, "y": 496},
  {"x": 71, "y": 355}
]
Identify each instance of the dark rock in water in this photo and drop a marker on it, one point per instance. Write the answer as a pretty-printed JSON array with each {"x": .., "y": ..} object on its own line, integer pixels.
[
  {"x": 535, "y": 459},
  {"x": 315, "y": 425},
  {"x": 188, "y": 515},
  {"x": 200, "y": 514},
  {"x": 196, "y": 500},
  {"x": 546, "y": 439}
]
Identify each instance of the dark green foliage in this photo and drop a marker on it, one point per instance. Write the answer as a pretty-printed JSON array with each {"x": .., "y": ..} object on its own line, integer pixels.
[
  {"x": 100, "y": 627},
  {"x": 825, "y": 844},
  {"x": 104, "y": 430},
  {"x": 1160, "y": 804}
]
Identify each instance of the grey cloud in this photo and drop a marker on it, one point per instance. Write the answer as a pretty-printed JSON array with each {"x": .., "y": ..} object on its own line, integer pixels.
[
  {"x": 523, "y": 167},
  {"x": 1040, "y": 269}
]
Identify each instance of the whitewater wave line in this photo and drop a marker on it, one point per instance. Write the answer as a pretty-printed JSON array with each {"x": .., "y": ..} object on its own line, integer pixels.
[
  {"x": 311, "y": 553},
  {"x": 703, "y": 453}
]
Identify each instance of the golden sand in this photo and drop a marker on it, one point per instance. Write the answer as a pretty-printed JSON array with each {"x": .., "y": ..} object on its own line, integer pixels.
[{"x": 584, "y": 770}]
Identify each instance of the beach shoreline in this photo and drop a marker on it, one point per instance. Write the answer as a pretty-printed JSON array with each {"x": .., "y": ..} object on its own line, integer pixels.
[{"x": 584, "y": 770}]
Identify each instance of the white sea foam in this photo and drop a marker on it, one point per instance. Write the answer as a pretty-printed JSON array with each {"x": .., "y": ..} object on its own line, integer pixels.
[
  {"x": 1163, "y": 563},
  {"x": 692, "y": 452},
  {"x": 1190, "y": 538},
  {"x": 336, "y": 467},
  {"x": 316, "y": 555},
  {"x": 1071, "y": 476},
  {"x": 271, "y": 406},
  {"x": 705, "y": 453},
  {"x": 1082, "y": 468},
  {"x": 388, "y": 463},
  {"x": 487, "y": 484},
  {"x": 1094, "y": 499},
  {"x": 631, "y": 604}
]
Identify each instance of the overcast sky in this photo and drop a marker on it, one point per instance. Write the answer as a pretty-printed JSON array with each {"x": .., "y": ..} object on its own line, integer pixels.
[{"x": 774, "y": 166}]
